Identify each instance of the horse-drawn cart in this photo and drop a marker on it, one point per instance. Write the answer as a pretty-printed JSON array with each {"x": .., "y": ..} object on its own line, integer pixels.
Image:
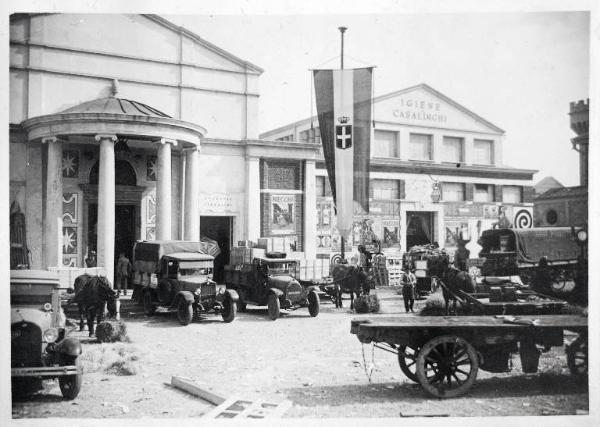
[{"x": 444, "y": 353}]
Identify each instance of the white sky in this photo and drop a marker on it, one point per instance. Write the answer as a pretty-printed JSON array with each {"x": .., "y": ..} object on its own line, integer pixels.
[{"x": 519, "y": 71}]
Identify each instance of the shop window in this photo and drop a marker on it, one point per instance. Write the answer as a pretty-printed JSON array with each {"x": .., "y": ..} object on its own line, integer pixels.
[
  {"x": 551, "y": 217},
  {"x": 312, "y": 136},
  {"x": 453, "y": 192},
  {"x": 385, "y": 144},
  {"x": 452, "y": 150},
  {"x": 385, "y": 189},
  {"x": 483, "y": 193},
  {"x": 483, "y": 152},
  {"x": 420, "y": 147},
  {"x": 512, "y": 194}
]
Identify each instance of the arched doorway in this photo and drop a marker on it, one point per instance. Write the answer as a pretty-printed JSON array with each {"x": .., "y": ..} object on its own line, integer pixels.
[
  {"x": 127, "y": 208},
  {"x": 419, "y": 228}
]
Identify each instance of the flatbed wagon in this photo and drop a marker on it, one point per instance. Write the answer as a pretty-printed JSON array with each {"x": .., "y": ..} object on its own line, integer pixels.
[{"x": 444, "y": 353}]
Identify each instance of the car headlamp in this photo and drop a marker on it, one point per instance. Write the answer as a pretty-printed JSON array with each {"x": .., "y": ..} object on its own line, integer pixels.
[
  {"x": 198, "y": 291},
  {"x": 582, "y": 235},
  {"x": 50, "y": 335},
  {"x": 47, "y": 307}
]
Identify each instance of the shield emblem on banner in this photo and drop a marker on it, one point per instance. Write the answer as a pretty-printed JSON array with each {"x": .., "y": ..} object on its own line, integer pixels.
[{"x": 343, "y": 136}]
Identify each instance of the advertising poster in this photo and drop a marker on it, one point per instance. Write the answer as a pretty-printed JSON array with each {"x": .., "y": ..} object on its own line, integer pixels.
[
  {"x": 391, "y": 233},
  {"x": 282, "y": 214}
]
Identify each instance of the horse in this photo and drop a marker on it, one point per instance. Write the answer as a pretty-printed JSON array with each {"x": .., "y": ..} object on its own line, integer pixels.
[
  {"x": 452, "y": 280},
  {"x": 349, "y": 279},
  {"x": 92, "y": 295}
]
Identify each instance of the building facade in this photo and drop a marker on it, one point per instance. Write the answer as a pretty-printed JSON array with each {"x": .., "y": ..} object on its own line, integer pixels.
[
  {"x": 568, "y": 206},
  {"x": 128, "y": 127},
  {"x": 437, "y": 175}
]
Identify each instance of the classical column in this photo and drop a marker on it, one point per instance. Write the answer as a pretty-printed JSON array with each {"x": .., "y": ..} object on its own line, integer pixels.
[
  {"x": 253, "y": 198},
  {"x": 106, "y": 205},
  {"x": 54, "y": 196},
  {"x": 191, "y": 217},
  {"x": 163, "y": 190},
  {"x": 310, "y": 210}
]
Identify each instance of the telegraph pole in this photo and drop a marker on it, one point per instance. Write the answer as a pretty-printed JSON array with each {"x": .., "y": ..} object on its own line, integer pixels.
[{"x": 342, "y": 30}]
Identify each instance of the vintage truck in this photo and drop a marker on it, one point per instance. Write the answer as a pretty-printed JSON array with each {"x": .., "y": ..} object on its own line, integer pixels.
[
  {"x": 518, "y": 251},
  {"x": 271, "y": 281},
  {"x": 176, "y": 276},
  {"x": 40, "y": 346}
]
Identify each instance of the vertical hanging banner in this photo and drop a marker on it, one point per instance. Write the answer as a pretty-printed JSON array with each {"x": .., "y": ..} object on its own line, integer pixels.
[{"x": 343, "y": 99}]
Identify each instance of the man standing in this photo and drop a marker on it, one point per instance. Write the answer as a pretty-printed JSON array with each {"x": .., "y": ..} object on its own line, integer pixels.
[
  {"x": 409, "y": 284},
  {"x": 123, "y": 273}
]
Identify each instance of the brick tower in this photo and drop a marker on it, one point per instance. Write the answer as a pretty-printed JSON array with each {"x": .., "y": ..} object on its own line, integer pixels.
[{"x": 579, "y": 112}]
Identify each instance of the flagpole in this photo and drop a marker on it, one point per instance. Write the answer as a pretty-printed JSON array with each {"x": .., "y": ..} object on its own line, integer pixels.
[{"x": 342, "y": 30}]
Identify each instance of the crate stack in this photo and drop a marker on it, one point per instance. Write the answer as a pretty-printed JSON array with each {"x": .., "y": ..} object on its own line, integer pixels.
[
  {"x": 240, "y": 255},
  {"x": 394, "y": 269},
  {"x": 380, "y": 272}
]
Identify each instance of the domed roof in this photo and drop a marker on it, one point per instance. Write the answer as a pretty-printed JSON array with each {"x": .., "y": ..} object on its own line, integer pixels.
[{"x": 113, "y": 105}]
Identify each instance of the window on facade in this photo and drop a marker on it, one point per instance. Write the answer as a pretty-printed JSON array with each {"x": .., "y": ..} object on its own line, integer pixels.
[
  {"x": 483, "y": 152},
  {"x": 312, "y": 136},
  {"x": 420, "y": 147},
  {"x": 512, "y": 194},
  {"x": 286, "y": 138},
  {"x": 452, "y": 150},
  {"x": 321, "y": 185},
  {"x": 453, "y": 192},
  {"x": 385, "y": 189},
  {"x": 483, "y": 193},
  {"x": 385, "y": 144}
]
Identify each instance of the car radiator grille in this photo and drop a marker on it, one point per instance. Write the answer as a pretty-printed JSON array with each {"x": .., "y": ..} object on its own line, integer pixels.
[
  {"x": 208, "y": 290},
  {"x": 26, "y": 345}
]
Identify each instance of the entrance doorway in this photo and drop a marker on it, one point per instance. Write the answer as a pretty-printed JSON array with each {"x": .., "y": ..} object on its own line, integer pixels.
[
  {"x": 125, "y": 216},
  {"x": 419, "y": 228},
  {"x": 219, "y": 228}
]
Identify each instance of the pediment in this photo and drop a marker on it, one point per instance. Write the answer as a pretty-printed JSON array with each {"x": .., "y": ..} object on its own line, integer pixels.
[{"x": 425, "y": 107}]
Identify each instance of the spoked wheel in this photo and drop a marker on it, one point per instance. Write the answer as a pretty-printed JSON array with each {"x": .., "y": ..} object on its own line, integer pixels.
[
  {"x": 273, "y": 306},
  {"x": 185, "y": 312},
  {"x": 447, "y": 366},
  {"x": 407, "y": 359},
  {"x": 577, "y": 356}
]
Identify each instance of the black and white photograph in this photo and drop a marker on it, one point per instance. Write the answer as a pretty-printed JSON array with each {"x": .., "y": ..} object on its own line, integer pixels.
[{"x": 260, "y": 211}]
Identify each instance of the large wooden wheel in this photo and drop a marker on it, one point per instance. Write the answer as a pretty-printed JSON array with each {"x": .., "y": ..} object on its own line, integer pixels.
[
  {"x": 577, "y": 356},
  {"x": 407, "y": 359},
  {"x": 447, "y": 366}
]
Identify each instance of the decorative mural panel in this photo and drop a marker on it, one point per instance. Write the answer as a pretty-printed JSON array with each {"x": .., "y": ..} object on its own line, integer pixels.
[
  {"x": 69, "y": 261},
  {"x": 283, "y": 214},
  {"x": 69, "y": 240},
  {"x": 151, "y": 168},
  {"x": 70, "y": 213},
  {"x": 523, "y": 219},
  {"x": 150, "y": 233},
  {"x": 151, "y": 209},
  {"x": 70, "y": 164}
]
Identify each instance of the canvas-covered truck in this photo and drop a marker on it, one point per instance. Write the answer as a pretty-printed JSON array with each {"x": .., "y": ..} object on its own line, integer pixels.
[
  {"x": 176, "y": 276},
  {"x": 271, "y": 280},
  {"x": 518, "y": 251}
]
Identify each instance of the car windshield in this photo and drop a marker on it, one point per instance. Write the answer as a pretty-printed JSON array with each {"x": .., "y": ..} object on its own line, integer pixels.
[
  {"x": 195, "y": 271},
  {"x": 282, "y": 268},
  {"x": 30, "y": 293}
]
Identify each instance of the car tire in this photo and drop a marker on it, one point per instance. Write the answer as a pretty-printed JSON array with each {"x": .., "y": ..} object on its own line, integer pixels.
[
  {"x": 149, "y": 308},
  {"x": 313, "y": 304},
  {"x": 185, "y": 311},
  {"x": 70, "y": 385},
  {"x": 229, "y": 310},
  {"x": 274, "y": 307}
]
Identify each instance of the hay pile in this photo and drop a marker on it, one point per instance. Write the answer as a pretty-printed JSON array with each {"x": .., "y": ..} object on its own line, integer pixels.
[
  {"x": 367, "y": 304},
  {"x": 436, "y": 306},
  {"x": 111, "y": 331},
  {"x": 116, "y": 359}
]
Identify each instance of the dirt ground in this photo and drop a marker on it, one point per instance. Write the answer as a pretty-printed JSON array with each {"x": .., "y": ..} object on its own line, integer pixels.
[{"x": 314, "y": 362}]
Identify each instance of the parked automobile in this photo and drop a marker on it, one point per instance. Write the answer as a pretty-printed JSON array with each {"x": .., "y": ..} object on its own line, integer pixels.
[
  {"x": 40, "y": 347},
  {"x": 176, "y": 276},
  {"x": 271, "y": 281}
]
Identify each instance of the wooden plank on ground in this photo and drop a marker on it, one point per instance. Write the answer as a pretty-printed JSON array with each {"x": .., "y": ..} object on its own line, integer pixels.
[
  {"x": 197, "y": 389},
  {"x": 236, "y": 407}
]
